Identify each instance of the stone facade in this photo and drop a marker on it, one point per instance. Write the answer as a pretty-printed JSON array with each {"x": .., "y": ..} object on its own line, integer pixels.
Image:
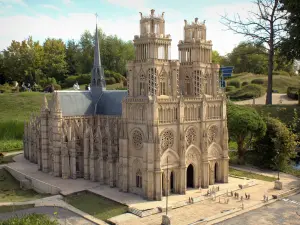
[{"x": 174, "y": 116}]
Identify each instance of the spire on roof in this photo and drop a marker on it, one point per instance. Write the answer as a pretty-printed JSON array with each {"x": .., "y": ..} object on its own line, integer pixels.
[{"x": 97, "y": 59}]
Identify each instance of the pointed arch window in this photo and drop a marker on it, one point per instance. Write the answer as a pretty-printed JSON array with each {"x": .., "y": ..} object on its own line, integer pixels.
[{"x": 139, "y": 180}]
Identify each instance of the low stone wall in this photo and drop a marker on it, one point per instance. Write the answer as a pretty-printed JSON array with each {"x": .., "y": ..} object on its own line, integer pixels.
[{"x": 33, "y": 183}]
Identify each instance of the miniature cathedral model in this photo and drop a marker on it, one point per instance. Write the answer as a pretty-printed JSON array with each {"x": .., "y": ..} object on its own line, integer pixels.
[{"x": 172, "y": 111}]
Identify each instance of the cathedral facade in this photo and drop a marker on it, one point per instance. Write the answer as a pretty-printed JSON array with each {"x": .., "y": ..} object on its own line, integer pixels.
[{"x": 169, "y": 127}]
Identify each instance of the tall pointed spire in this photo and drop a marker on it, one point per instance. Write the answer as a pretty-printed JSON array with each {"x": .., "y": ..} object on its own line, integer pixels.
[
  {"x": 97, "y": 59},
  {"x": 98, "y": 80}
]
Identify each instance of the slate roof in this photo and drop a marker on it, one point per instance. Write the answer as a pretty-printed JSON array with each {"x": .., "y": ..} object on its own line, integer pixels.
[
  {"x": 110, "y": 102},
  {"x": 76, "y": 103},
  {"x": 79, "y": 103}
]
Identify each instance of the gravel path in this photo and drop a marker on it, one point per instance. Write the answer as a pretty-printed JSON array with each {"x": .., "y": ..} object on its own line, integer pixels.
[
  {"x": 276, "y": 99},
  {"x": 64, "y": 216}
]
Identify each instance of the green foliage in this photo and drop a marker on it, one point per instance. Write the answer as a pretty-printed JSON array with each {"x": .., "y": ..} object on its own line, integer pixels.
[
  {"x": 13, "y": 208},
  {"x": 258, "y": 81},
  {"x": 230, "y": 88},
  {"x": 276, "y": 147},
  {"x": 244, "y": 124},
  {"x": 236, "y": 83},
  {"x": 292, "y": 92},
  {"x": 31, "y": 219},
  {"x": 245, "y": 83},
  {"x": 110, "y": 80},
  {"x": 290, "y": 45},
  {"x": 5, "y": 88},
  {"x": 117, "y": 76},
  {"x": 248, "y": 92},
  {"x": 81, "y": 79},
  {"x": 96, "y": 205},
  {"x": 216, "y": 58},
  {"x": 48, "y": 81}
]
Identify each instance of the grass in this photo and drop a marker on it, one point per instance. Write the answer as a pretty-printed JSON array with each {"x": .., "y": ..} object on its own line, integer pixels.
[
  {"x": 95, "y": 205},
  {"x": 31, "y": 219},
  {"x": 10, "y": 190},
  {"x": 250, "y": 175},
  {"x": 17, "y": 108},
  {"x": 247, "y": 92},
  {"x": 13, "y": 208},
  {"x": 280, "y": 83}
]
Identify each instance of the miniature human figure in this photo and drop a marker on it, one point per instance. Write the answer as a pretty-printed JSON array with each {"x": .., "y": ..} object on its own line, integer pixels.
[
  {"x": 231, "y": 193},
  {"x": 248, "y": 196}
]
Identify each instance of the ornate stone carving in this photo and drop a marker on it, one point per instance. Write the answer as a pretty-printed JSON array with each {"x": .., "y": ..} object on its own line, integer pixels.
[
  {"x": 137, "y": 139},
  {"x": 190, "y": 136},
  {"x": 190, "y": 157},
  {"x": 167, "y": 140},
  {"x": 212, "y": 134}
]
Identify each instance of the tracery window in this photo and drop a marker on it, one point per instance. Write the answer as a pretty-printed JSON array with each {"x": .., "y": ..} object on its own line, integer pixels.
[
  {"x": 187, "y": 85},
  {"x": 137, "y": 139},
  {"x": 167, "y": 140},
  {"x": 152, "y": 81},
  {"x": 197, "y": 82},
  {"x": 190, "y": 136}
]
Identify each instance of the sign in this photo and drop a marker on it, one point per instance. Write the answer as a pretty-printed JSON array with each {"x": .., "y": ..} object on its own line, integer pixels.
[{"x": 226, "y": 71}]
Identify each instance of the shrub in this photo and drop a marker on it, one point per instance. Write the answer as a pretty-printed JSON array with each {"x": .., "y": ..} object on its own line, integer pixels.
[
  {"x": 110, "y": 80},
  {"x": 117, "y": 76},
  {"x": 245, "y": 83},
  {"x": 292, "y": 92},
  {"x": 57, "y": 87},
  {"x": 230, "y": 88},
  {"x": 248, "y": 92},
  {"x": 258, "y": 81},
  {"x": 235, "y": 83},
  {"x": 5, "y": 88},
  {"x": 125, "y": 82},
  {"x": 47, "y": 81},
  {"x": 281, "y": 72}
]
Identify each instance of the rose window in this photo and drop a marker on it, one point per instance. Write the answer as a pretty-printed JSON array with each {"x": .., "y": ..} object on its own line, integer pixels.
[
  {"x": 167, "y": 140},
  {"x": 137, "y": 139},
  {"x": 190, "y": 136}
]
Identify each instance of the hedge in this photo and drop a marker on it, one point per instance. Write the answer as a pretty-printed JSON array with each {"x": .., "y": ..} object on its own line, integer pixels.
[
  {"x": 248, "y": 92},
  {"x": 258, "y": 81},
  {"x": 235, "y": 83},
  {"x": 245, "y": 83},
  {"x": 230, "y": 88},
  {"x": 292, "y": 92},
  {"x": 281, "y": 72}
]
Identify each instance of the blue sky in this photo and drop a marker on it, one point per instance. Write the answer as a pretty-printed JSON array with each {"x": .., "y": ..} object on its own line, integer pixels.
[{"x": 67, "y": 19}]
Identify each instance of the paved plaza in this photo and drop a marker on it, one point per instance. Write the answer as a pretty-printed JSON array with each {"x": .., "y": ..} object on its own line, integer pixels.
[{"x": 285, "y": 211}]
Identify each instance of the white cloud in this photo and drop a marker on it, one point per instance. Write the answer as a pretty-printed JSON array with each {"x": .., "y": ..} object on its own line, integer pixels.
[
  {"x": 67, "y": 2},
  {"x": 17, "y": 2},
  {"x": 51, "y": 7},
  {"x": 71, "y": 26}
]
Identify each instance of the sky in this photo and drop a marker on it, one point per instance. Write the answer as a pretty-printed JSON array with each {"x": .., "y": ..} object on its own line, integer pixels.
[{"x": 68, "y": 19}]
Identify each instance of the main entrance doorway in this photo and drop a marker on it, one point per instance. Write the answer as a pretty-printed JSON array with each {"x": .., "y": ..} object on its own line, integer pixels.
[
  {"x": 172, "y": 182},
  {"x": 216, "y": 170},
  {"x": 190, "y": 176}
]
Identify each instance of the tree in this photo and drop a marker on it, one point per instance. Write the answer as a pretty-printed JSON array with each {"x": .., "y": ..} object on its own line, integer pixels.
[
  {"x": 55, "y": 59},
  {"x": 216, "y": 58},
  {"x": 249, "y": 57},
  {"x": 276, "y": 147},
  {"x": 72, "y": 57},
  {"x": 244, "y": 125},
  {"x": 290, "y": 46},
  {"x": 265, "y": 27}
]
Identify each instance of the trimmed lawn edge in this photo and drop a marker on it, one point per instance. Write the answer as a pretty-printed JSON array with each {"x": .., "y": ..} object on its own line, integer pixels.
[{"x": 251, "y": 175}]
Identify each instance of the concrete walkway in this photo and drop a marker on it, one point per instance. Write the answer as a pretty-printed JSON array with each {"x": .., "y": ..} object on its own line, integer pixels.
[{"x": 280, "y": 99}]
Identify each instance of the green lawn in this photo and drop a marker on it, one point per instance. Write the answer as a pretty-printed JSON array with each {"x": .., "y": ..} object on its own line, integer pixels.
[
  {"x": 31, "y": 219},
  {"x": 13, "y": 208},
  {"x": 250, "y": 175},
  {"x": 95, "y": 205},
  {"x": 280, "y": 83},
  {"x": 10, "y": 189},
  {"x": 15, "y": 109}
]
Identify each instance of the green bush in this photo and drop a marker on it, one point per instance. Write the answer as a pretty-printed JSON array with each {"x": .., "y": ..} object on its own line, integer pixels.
[
  {"x": 245, "y": 83},
  {"x": 235, "y": 83},
  {"x": 81, "y": 79},
  {"x": 48, "y": 81},
  {"x": 292, "y": 92},
  {"x": 125, "y": 83},
  {"x": 230, "y": 88},
  {"x": 110, "y": 80},
  {"x": 248, "y": 92},
  {"x": 5, "y": 88},
  {"x": 57, "y": 87},
  {"x": 281, "y": 72},
  {"x": 258, "y": 81},
  {"x": 31, "y": 219},
  {"x": 117, "y": 76}
]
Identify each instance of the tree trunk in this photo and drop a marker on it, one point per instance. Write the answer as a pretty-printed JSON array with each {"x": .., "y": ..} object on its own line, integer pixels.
[
  {"x": 241, "y": 152},
  {"x": 270, "y": 64}
]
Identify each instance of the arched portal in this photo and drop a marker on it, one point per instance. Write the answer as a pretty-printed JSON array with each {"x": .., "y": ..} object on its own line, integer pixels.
[
  {"x": 190, "y": 176},
  {"x": 172, "y": 183}
]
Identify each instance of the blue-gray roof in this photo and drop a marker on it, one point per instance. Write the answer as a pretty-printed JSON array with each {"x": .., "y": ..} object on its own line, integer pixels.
[
  {"x": 76, "y": 103},
  {"x": 110, "y": 102}
]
